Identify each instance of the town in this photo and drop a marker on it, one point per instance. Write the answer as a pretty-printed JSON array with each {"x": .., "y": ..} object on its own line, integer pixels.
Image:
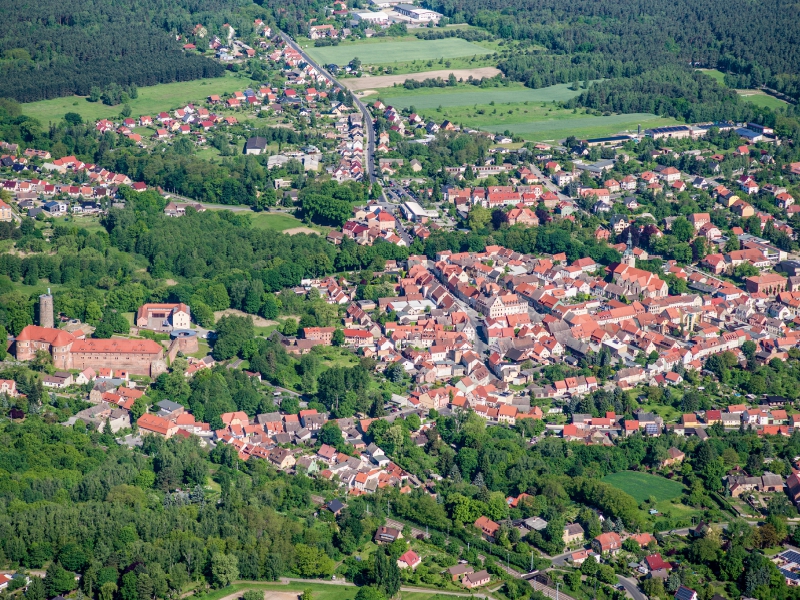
[{"x": 387, "y": 300}]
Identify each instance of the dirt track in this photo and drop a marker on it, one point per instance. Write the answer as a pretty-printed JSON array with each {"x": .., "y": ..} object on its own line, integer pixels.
[{"x": 383, "y": 81}]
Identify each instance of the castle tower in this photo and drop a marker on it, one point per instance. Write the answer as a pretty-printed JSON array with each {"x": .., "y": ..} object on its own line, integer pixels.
[
  {"x": 46, "y": 310},
  {"x": 628, "y": 258}
]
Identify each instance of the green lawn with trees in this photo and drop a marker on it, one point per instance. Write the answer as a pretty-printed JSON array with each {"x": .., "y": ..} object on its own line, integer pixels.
[{"x": 643, "y": 486}]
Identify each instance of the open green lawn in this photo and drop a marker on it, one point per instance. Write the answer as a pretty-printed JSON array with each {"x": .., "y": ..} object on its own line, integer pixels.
[
  {"x": 151, "y": 100},
  {"x": 90, "y": 223},
  {"x": 716, "y": 74},
  {"x": 320, "y": 591},
  {"x": 643, "y": 485},
  {"x": 383, "y": 51},
  {"x": 279, "y": 222},
  {"x": 761, "y": 99},
  {"x": 542, "y": 121},
  {"x": 469, "y": 95}
]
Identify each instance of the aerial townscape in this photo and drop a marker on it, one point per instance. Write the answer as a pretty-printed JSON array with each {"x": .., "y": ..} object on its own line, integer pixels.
[{"x": 372, "y": 300}]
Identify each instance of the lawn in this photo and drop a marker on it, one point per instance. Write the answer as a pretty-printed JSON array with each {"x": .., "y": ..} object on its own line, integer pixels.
[
  {"x": 469, "y": 95},
  {"x": 151, "y": 100},
  {"x": 274, "y": 221},
  {"x": 715, "y": 74},
  {"x": 379, "y": 51},
  {"x": 542, "y": 121},
  {"x": 643, "y": 485},
  {"x": 320, "y": 591},
  {"x": 760, "y": 99}
]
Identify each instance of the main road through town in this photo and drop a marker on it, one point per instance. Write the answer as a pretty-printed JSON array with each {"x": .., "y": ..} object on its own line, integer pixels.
[{"x": 370, "y": 147}]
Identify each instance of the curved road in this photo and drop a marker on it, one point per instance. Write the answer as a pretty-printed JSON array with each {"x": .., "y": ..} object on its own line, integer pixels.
[{"x": 369, "y": 150}]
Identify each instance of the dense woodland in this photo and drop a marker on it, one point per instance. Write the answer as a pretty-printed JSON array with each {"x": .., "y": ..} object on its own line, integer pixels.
[{"x": 50, "y": 49}]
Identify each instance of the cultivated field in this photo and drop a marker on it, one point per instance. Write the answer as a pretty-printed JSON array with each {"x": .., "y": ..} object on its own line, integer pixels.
[
  {"x": 151, "y": 100},
  {"x": 469, "y": 95},
  {"x": 643, "y": 485},
  {"x": 387, "y": 52},
  {"x": 384, "y": 81}
]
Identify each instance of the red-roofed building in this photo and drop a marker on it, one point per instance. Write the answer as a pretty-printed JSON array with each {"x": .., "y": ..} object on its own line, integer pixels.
[{"x": 409, "y": 559}]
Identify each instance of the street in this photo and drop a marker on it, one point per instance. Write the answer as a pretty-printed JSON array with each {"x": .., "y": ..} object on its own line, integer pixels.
[
  {"x": 631, "y": 588},
  {"x": 369, "y": 155}
]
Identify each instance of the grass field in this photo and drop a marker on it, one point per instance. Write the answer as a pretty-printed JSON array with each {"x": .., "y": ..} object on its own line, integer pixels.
[
  {"x": 716, "y": 74},
  {"x": 151, "y": 100},
  {"x": 468, "y": 95},
  {"x": 379, "y": 51},
  {"x": 320, "y": 591},
  {"x": 643, "y": 485},
  {"x": 281, "y": 222},
  {"x": 541, "y": 121},
  {"x": 762, "y": 99}
]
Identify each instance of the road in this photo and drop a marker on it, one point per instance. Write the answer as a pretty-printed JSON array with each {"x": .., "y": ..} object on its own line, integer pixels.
[
  {"x": 368, "y": 125},
  {"x": 631, "y": 587}
]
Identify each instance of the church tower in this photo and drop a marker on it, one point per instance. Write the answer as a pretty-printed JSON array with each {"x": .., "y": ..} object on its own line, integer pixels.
[{"x": 628, "y": 257}]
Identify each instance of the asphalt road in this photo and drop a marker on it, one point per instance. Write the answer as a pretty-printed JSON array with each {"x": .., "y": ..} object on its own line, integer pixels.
[
  {"x": 369, "y": 155},
  {"x": 631, "y": 587}
]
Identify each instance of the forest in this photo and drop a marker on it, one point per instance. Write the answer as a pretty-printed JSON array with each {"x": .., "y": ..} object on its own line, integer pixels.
[{"x": 50, "y": 49}]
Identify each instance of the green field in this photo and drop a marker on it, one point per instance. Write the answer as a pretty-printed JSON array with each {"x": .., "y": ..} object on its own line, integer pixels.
[
  {"x": 151, "y": 100},
  {"x": 760, "y": 99},
  {"x": 320, "y": 591},
  {"x": 643, "y": 485},
  {"x": 541, "y": 121},
  {"x": 383, "y": 52},
  {"x": 715, "y": 74},
  {"x": 468, "y": 95},
  {"x": 279, "y": 222}
]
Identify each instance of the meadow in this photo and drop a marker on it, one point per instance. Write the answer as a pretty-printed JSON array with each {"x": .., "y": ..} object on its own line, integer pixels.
[
  {"x": 274, "y": 221},
  {"x": 468, "y": 95},
  {"x": 541, "y": 121},
  {"x": 643, "y": 485},
  {"x": 151, "y": 100},
  {"x": 762, "y": 99},
  {"x": 379, "y": 51}
]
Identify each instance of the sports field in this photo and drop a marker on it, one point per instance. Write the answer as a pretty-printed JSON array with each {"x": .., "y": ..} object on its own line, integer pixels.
[
  {"x": 469, "y": 95},
  {"x": 643, "y": 485},
  {"x": 151, "y": 100},
  {"x": 385, "y": 52}
]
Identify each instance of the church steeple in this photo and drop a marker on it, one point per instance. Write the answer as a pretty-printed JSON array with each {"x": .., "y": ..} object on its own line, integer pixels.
[{"x": 628, "y": 258}]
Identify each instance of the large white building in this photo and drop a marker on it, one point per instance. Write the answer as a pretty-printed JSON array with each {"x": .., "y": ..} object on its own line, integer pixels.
[
  {"x": 374, "y": 18},
  {"x": 414, "y": 212},
  {"x": 417, "y": 13}
]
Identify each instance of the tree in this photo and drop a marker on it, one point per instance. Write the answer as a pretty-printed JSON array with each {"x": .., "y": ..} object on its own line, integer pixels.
[
  {"x": 682, "y": 229},
  {"x": 202, "y": 314},
  {"x": 36, "y": 589},
  {"x": 289, "y": 327},
  {"x": 387, "y": 573},
  {"x": 232, "y": 333},
  {"x": 58, "y": 580},
  {"x": 337, "y": 339},
  {"x": 224, "y": 569},
  {"x": 369, "y": 592},
  {"x": 290, "y": 405},
  {"x": 331, "y": 434}
]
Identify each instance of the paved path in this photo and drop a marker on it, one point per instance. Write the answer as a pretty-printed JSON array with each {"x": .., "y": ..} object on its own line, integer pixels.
[{"x": 369, "y": 150}]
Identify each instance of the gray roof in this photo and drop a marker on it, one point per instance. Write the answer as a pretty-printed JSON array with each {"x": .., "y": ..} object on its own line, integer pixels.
[
  {"x": 169, "y": 405},
  {"x": 272, "y": 417}
]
